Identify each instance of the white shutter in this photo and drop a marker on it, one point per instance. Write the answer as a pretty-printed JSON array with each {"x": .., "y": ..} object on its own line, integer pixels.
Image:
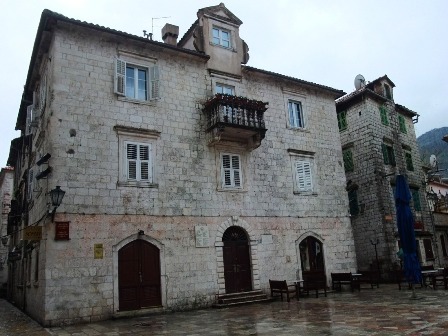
[
  {"x": 42, "y": 95},
  {"x": 303, "y": 176},
  {"x": 236, "y": 170},
  {"x": 131, "y": 158},
  {"x": 155, "y": 82},
  {"x": 120, "y": 77},
  {"x": 145, "y": 163},
  {"x": 29, "y": 116},
  {"x": 231, "y": 171}
]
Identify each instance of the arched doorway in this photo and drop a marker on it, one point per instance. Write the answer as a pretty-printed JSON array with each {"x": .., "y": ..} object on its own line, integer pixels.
[
  {"x": 139, "y": 276},
  {"x": 311, "y": 255},
  {"x": 236, "y": 255}
]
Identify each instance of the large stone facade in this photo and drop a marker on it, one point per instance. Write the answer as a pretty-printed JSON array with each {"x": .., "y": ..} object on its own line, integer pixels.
[
  {"x": 6, "y": 194},
  {"x": 370, "y": 132},
  {"x": 186, "y": 209}
]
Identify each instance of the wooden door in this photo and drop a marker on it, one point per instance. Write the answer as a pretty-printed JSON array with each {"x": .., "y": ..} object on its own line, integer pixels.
[
  {"x": 237, "y": 268},
  {"x": 139, "y": 276}
]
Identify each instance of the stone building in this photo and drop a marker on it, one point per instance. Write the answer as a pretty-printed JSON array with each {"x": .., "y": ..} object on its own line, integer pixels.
[
  {"x": 186, "y": 173},
  {"x": 378, "y": 142},
  {"x": 6, "y": 190}
]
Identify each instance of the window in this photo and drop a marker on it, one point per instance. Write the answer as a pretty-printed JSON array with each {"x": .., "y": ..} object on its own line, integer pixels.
[
  {"x": 388, "y": 154},
  {"x": 353, "y": 202},
  {"x": 225, "y": 89},
  {"x": 383, "y": 114},
  {"x": 348, "y": 160},
  {"x": 409, "y": 164},
  {"x": 136, "y": 156},
  {"x": 387, "y": 91},
  {"x": 342, "y": 120},
  {"x": 402, "y": 124},
  {"x": 442, "y": 242},
  {"x": 428, "y": 249},
  {"x": 416, "y": 199},
  {"x": 304, "y": 181},
  {"x": 138, "y": 161},
  {"x": 30, "y": 184},
  {"x": 295, "y": 114},
  {"x": 221, "y": 37},
  {"x": 231, "y": 173},
  {"x": 136, "y": 82}
]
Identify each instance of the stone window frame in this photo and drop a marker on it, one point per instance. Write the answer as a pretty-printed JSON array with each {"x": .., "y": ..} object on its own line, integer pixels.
[
  {"x": 149, "y": 64},
  {"x": 304, "y": 158},
  {"x": 140, "y": 136},
  {"x": 225, "y": 149},
  {"x": 388, "y": 154}
]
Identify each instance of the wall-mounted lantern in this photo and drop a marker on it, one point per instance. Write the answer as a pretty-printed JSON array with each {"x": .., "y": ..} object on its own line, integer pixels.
[{"x": 56, "y": 196}]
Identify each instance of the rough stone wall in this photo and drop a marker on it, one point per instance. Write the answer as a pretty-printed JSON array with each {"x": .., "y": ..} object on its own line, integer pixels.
[
  {"x": 79, "y": 126},
  {"x": 365, "y": 134},
  {"x": 6, "y": 193}
]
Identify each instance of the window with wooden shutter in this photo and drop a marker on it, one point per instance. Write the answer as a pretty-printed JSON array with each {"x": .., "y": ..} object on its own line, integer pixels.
[
  {"x": 409, "y": 163},
  {"x": 342, "y": 120},
  {"x": 348, "y": 160},
  {"x": 231, "y": 171},
  {"x": 138, "y": 160},
  {"x": 137, "y": 82},
  {"x": 388, "y": 154},
  {"x": 383, "y": 114},
  {"x": 303, "y": 176},
  {"x": 402, "y": 124}
]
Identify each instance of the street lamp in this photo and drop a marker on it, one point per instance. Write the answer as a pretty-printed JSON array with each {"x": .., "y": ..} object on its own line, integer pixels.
[{"x": 56, "y": 196}]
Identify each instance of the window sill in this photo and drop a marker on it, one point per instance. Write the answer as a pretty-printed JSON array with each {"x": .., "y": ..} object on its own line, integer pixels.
[
  {"x": 305, "y": 193},
  {"x": 298, "y": 129},
  {"x": 137, "y": 184},
  {"x": 231, "y": 190},
  {"x": 136, "y": 101},
  {"x": 221, "y": 46}
]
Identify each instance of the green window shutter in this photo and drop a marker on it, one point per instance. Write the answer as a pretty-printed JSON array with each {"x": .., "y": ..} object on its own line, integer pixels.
[
  {"x": 392, "y": 156},
  {"x": 348, "y": 160},
  {"x": 342, "y": 120},
  {"x": 402, "y": 124},
  {"x": 383, "y": 114},
  {"x": 416, "y": 200}
]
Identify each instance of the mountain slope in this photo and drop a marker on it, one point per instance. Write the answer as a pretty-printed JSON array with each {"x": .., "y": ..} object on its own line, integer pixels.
[{"x": 431, "y": 143}]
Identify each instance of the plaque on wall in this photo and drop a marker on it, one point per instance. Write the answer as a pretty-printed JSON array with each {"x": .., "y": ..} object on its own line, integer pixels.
[
  {"x": 202, "y": 236},
  {"x": 98, "y": 251},
  {"x": 32, "y": 233},
  {"x": 62, "y": 231}
]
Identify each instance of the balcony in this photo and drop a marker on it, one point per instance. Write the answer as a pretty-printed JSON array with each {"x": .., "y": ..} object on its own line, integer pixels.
[{"x": 235, "y": 119}]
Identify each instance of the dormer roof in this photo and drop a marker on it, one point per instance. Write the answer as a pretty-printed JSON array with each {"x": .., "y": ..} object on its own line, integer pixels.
[
  {"x": 378, "y": 80},
  {"x": 219, "y": 12}
]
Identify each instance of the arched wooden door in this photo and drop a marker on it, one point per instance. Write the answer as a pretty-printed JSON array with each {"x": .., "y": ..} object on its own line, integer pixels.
[
  {"x": 139, "y": 276},
  {"x": 236, "y": 255}
]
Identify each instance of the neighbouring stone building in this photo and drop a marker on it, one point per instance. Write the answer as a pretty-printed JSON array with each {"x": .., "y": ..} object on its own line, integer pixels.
[
  {"x": 186, "y": 174},
  {"x": 378, "y": 142},
  {"x": 6, "y": 190}
]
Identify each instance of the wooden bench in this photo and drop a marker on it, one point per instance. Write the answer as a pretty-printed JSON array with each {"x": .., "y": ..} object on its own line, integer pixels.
[
  {"x": 369, "y": 277},
  {"x": 441, "y": 279},
  {"x": 314, "y": 281},
  {"x": 281, "y": 287},
  {"x": 344, "y": 278}
]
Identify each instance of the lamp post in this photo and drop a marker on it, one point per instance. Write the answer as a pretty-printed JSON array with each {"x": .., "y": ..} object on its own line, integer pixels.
[
  {"x": 375, "y": 243},
  {"x": 56, "y": 196}
]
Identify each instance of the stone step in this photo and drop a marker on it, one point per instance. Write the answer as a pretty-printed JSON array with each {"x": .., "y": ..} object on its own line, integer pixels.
[
  {"x": 225, "y": 305},
  {"x": 239, "y": 294},
  {"x": 227, "y": 300}
]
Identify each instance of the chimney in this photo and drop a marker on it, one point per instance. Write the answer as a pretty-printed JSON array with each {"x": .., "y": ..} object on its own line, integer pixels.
[{"x": 170, "y": 33}]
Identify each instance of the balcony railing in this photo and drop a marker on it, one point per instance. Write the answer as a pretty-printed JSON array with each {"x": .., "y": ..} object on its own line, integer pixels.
[{"x": 226, "y": 111}]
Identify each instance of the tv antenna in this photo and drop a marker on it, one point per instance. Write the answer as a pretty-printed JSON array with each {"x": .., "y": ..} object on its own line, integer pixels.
[
  {"x": 360, "y": 82},
  {"x": 433, "y": 161}
]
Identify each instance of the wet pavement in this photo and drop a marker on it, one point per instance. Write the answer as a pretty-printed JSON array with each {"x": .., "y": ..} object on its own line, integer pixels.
[{"x": 383, "y": 311}]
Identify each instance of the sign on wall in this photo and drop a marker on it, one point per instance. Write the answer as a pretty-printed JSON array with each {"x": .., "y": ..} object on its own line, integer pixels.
[
  {"x": 98, "y": 251},
  {"x": 202, "y": 236},
  {"x": 32, "y": 233},
  {"x": 62, "y": 231}
]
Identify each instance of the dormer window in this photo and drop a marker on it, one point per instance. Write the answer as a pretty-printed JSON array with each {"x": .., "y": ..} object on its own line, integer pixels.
[
  {"x": 387, "y": 91},
  {"x": 221, "y": 37}
]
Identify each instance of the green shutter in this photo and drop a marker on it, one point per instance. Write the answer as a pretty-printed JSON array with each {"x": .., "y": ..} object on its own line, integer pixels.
[
  {"x": 402, "y": 124},
  {"x": 348, "y": 160},
  {"x": 385, "y": 155},
  {"x": 342, "y": 120},
  {"x": 383, "y": 114},
  {"x": 409, "y": 163}
]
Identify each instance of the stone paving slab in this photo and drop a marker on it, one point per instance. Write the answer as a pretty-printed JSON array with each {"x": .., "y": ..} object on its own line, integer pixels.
[{"x": 383, "y": 311}]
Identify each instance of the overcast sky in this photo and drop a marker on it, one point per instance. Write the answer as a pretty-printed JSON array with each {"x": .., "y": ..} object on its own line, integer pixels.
[{"x": 325, "y": 42}]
